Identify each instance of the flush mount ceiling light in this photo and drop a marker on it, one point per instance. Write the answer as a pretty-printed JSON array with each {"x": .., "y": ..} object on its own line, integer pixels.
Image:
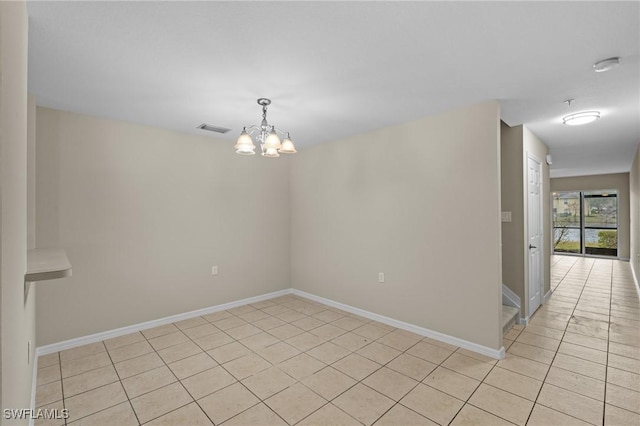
[
  {"x": 266, "y": 135},
  {"x": 606, "y": 64},
  {"x": 580, "y": 118}
]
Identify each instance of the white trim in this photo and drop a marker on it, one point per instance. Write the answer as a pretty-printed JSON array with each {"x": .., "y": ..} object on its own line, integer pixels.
[
  {"x": 34, "y": 385},
  {"x": 484, "y": 350},
  {"x": 97, "y": 337},
  {"x": 635, "y": 279},
  {"x": 523, "y": 321},
  {"x": 547, "y": 296},
  {"x": 509, "y": 298}
]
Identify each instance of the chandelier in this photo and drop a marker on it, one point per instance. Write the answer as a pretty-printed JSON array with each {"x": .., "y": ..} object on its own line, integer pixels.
[{"x": 266, "y": 135}]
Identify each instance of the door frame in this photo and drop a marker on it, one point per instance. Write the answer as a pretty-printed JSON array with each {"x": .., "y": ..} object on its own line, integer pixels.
[{"x": 540, "y": 209}]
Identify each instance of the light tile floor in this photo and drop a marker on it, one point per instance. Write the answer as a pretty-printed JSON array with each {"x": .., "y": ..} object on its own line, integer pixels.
[{"x": 293, "y": 361}]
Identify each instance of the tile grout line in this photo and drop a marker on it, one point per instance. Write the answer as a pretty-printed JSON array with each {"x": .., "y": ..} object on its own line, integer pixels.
[
  {"x": 495, "y": 365},
  {"x": 89, "y": 390},
  {"x": 142, "y": 372},
  {"x": 585, "y": 288},
  {"x": 177, "y": 381},
  {"x": 357, "y": 382},
  {"x": 145, "y": 338},
  {"x": 606, "y": 369},
  {"x": 346, "y": 331},
  {"x": 472, "y": 393},
  {"x": 419, "y": 382},
  {"x": 302, "y": 352},
  {"x": 564, "y": 276},
  {"x": 561, "y": 340},
  {"x": 373, "y": 372},
  {"x": 121, "y": 384},
  {"x": 61, "y": 386},
  {"x": 261, "y": 401},
  {"x": 326, "y": 366},
  {"x": 385, "y": 366},
  {"x": 180, "y": 381}
]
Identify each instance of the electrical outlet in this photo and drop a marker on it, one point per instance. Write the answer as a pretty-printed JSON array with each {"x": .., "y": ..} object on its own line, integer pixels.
[
  {"x": 214, "y": 270},
  {"x": 380, "y": 277}
]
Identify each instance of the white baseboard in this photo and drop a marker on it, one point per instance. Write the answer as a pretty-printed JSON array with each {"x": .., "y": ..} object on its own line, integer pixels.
[
  {"x": 523, "y": 321},
  {"x": 548, "y": 296},
  {"x": 484, "y": 350},
  {"x": 635, "y": 280},
  {"x": 97, "y": 337}
]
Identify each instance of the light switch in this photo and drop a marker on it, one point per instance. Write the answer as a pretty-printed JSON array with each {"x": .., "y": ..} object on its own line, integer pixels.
[{"x": 506, "y": 216}]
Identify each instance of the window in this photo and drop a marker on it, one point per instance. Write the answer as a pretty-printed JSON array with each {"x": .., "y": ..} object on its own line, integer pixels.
[{"x": 586, "y": 222}]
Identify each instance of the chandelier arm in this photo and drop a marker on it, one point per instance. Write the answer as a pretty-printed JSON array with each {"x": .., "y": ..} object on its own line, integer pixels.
[
  {"x": 252, "y": 128},
  {"x": 280, "y": 131}
]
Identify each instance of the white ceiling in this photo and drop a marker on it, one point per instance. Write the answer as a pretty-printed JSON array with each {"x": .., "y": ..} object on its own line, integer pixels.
[{"x": 335, "y": 69}]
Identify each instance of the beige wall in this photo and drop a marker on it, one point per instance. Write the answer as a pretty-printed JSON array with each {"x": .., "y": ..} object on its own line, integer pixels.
[
  {"x": 418, "y": 201},
  {"x": 512, "y": 196},
  {"x": 619, "y": 181},
  {"x": 634, "y": 190},
  {"x": 144, "y": 214},
  {"x": 17, "y": 314},
  {"x": 517, "y": 143},
  {"x": 31, "y": 172}
]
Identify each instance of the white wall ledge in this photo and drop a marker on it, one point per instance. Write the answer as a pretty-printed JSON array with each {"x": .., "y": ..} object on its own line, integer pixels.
[{"x": 47, "y": 264}]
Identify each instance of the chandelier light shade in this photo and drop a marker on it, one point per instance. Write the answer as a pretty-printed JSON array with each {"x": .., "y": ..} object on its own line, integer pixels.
[
  {"x": 287, "y": 146},
  {"x": 581, "y": 118},
  {"x": 266, "y": 135},
  {"x": 245, "y": 145}
]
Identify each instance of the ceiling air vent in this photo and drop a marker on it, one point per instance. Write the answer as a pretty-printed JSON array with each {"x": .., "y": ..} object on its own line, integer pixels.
[{"x": 210, "y": 128}]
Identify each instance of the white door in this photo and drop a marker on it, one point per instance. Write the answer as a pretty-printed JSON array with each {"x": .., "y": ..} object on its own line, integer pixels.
[{"x": 534, "y": 231}]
